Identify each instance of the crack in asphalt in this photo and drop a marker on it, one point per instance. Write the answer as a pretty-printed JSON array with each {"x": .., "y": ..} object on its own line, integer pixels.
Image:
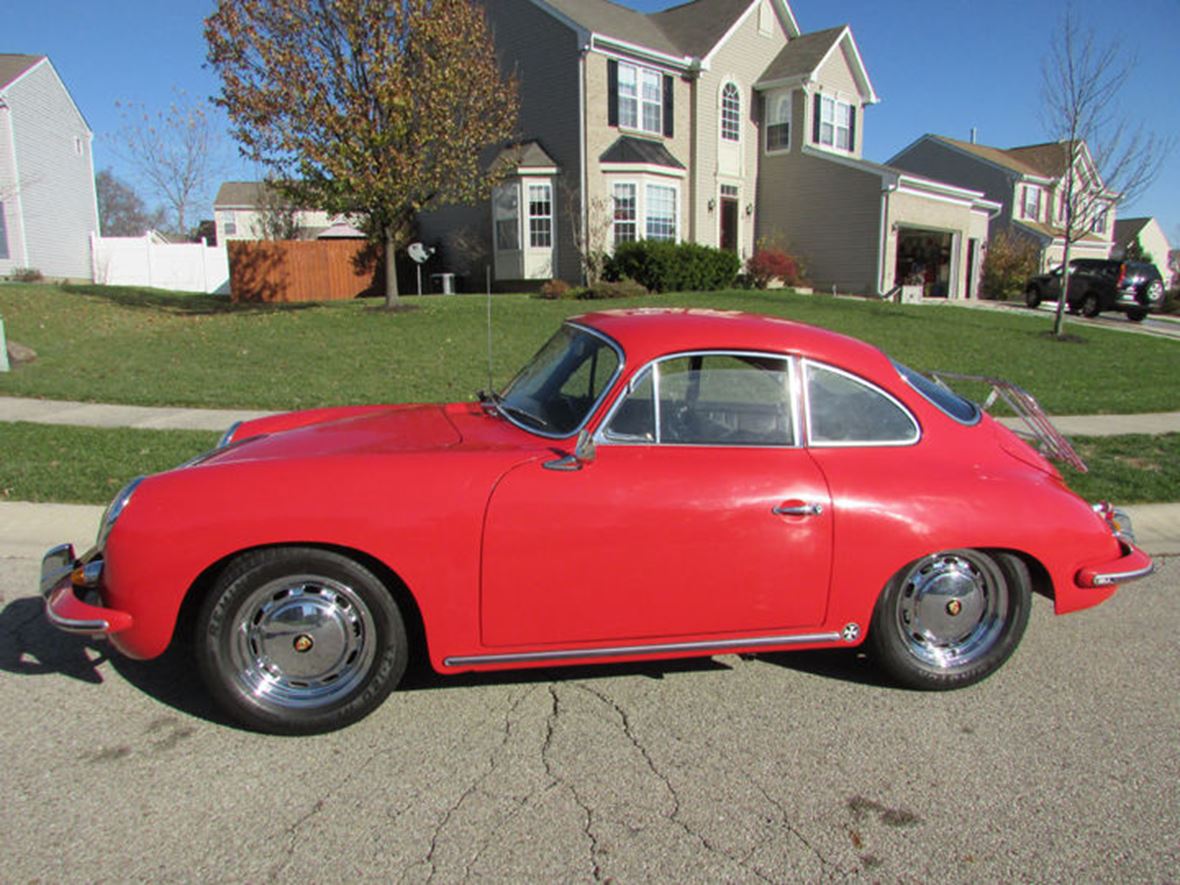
[
  {"x": 588, "y": 827},
  {"x": 784, "y": 818},
  {"x": 673, "y": 815}
]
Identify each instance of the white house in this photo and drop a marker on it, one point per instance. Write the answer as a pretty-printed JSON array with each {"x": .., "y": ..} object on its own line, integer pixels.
[{"x": 48, "y": 204}]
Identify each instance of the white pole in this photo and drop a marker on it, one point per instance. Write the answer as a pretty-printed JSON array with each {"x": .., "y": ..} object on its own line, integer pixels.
[{"x": 3, "y": 348}]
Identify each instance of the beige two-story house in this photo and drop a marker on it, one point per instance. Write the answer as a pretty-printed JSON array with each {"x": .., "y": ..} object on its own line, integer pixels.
[
  {"x": 1030, "y": 183},
  {"x": 714, "y": 121}
]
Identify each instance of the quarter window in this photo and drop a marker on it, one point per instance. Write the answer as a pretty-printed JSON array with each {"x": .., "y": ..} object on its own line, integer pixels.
[
  {"x": 540, "y": 216},
  {"x": 708, "y": 400},
  {"x": 731, "y": 113},
  {"x": 843, "y": 410}
]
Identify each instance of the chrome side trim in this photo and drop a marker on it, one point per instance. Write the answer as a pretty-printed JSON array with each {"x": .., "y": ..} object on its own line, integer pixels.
[
  {"x": 1105, "y": 580},
  {"x": 573, "y": 654}
]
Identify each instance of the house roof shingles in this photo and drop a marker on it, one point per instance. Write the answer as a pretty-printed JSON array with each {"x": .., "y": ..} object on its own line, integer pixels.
[
  {"x": 12, "y": 66},
  {"x": 240, "y": 193},
  {"x": 697, "y": 27},
  {"x": 628, "y": 149},
  {"x": 802, "y": 55},
  {"x": 995, "y": 155},
  {"x": 613, "y": 20}
]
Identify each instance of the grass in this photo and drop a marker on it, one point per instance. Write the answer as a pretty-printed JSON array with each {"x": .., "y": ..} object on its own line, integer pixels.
[
  {"x": 87, "y": 465},
  {"x": 147, "y": 347}
]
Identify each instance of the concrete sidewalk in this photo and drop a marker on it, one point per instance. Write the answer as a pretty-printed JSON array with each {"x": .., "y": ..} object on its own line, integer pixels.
[
  {"x": 41, "y": 411},
  {"x": 45, "y": 411}
]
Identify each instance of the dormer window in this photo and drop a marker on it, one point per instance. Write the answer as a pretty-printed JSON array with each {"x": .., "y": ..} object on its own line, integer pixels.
[
  {"x": 731, "y": 113},
  {"x": 834, "y": 123}
]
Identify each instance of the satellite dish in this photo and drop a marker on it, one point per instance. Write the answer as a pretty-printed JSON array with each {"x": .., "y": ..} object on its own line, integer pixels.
[{"x": 419, "y": 253}]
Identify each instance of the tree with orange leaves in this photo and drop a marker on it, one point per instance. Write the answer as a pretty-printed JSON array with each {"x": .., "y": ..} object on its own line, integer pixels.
[{"x": 376, "y": 108}]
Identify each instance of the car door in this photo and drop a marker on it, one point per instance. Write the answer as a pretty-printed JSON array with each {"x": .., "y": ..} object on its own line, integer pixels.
[{"x": 699, "y": 513}]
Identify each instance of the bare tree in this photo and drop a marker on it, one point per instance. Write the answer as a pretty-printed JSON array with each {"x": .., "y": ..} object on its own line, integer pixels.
[
  {"x": 1083, "y": 86},
  {"x": 121, "y": 211},
  {"x": 177, "y": 151},
  {"x": 590, "y": 230}
]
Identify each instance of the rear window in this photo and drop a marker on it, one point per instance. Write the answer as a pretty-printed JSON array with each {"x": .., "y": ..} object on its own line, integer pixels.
[{"x": 962, "y": 410}]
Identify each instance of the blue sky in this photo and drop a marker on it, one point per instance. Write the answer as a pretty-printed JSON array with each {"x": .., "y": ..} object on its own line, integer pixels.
[{"x": 941, "y": 66}]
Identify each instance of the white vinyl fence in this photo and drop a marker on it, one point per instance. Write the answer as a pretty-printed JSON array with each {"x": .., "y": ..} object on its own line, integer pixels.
[{"x": 151, "y": 261}]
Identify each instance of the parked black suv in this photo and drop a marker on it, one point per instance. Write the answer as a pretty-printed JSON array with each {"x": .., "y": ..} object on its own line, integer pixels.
[{"x": 1097, "y": 284}]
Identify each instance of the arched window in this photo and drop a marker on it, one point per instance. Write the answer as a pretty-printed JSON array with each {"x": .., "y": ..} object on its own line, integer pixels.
[{"x": 731, "y": 113}]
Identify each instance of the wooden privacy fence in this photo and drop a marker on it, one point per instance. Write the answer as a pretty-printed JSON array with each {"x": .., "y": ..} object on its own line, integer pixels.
[{"x": 303, "y": 270}]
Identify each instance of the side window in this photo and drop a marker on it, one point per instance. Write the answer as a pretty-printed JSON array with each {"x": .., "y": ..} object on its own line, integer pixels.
[
  {"x": 711, "y": 400},
  {"x": 843, "y": 410}
]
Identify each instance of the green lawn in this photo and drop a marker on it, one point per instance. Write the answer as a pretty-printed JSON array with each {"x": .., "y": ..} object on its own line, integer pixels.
[{"x": 158, "y": 348}]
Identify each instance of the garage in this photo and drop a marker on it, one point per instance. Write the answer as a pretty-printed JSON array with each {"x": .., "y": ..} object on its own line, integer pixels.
[{"x": 925, "y": 258}]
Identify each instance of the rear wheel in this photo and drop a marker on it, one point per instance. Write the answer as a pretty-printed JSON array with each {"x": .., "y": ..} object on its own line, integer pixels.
[
  {"x": 1136, "y": 314},
  {"x": 951, "y": 619},
  {"x": 299, "y": 641},
  {"x": 1032, "y": 296},
  {"x": 1090, "y": 306}
]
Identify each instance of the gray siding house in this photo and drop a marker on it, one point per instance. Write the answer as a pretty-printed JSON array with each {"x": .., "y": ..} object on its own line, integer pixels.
[
  {"x": 1029, "y": 184},
  {"x": 48, "y": 205},
  {"x": 715, "y": 121}
]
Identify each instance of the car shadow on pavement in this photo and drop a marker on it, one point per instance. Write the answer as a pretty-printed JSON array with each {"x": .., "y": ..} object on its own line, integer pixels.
[
  {"x": 842, "y": 664},
  {"x": 421, "y": 677}
]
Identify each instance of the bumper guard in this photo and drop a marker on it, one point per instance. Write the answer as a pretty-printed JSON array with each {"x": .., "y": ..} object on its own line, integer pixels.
[{"x": 62, "y": 577}]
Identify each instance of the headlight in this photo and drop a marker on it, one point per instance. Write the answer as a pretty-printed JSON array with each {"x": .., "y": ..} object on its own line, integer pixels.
[
  {"x": 228, "y": 436},
  {"x": 114, "y": 509}
]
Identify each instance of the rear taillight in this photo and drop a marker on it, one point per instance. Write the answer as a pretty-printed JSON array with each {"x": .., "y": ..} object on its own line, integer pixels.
[{"x": 1122, "y": 274}]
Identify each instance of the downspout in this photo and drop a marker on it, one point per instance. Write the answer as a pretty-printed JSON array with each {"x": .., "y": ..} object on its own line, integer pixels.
[
  {"x": 882, "y": 288},
  {"x": 583, "y": 171}
]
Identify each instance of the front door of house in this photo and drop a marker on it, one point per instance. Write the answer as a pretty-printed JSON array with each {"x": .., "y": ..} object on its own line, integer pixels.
[{"x": 729, "y": 223}]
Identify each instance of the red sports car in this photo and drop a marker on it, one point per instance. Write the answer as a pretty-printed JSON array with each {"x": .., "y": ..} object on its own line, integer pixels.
[{"x": 653, "y": 484}]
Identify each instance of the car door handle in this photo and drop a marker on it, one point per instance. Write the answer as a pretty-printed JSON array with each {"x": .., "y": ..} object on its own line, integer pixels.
[{"x": 798, "y": 508}]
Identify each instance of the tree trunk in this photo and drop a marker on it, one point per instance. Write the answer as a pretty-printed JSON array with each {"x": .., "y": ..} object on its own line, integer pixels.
[
  {"x": 392, "y": 298},
  {"x": 1059, "y": 320}
]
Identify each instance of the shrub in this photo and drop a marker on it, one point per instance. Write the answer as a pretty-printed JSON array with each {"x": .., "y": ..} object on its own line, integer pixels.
[
  {"x": 662, "y": 266},
  {"x": 604, "y": 289},
  {"x": 554, "y": 290},
  {"x": 1010, "y": 261},
  {"x": 25, "y": 275},
  {"x": 769, "y": 263}
]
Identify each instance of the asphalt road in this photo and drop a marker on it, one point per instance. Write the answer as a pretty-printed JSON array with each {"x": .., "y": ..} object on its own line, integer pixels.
[{"x": 1065, "y": 766}]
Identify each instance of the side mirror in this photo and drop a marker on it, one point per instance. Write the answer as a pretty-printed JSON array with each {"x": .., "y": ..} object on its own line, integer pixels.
[{"x": 583, "y": 454}]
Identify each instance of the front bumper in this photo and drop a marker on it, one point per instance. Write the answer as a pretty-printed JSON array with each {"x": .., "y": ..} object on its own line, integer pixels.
[
  {"x": 1132, "y": 565},
  {"x": 70, "y": 589}
]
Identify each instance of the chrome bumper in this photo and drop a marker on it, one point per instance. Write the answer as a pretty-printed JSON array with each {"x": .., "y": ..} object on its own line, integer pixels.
[
  {"x": 1132, "y": 565},
  {"x": 63, "y": 576}
]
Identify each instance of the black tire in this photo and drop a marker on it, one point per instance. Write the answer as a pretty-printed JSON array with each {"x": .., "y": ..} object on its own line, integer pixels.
[
  {"x": 1136, "y": 314},
  {"x": 951, "y": 619},
  {"x": 296, "y": 640},
  {"x": 1032, "y": 297},
  {"x": 1090, "y": 306}
]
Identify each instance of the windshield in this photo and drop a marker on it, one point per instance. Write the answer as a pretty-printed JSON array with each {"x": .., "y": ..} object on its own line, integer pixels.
[{"x": 558, "y": 390}]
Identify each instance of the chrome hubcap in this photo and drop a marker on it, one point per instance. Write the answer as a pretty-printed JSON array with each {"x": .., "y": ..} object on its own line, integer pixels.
[
  {"x": 302, "y": 641},
  {"x": 952, "y": 608}
]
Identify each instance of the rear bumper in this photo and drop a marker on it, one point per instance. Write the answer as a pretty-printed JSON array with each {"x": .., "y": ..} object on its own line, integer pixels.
[
  {"x": 65, "y": 581},
  {"x": 1131, "y": 566}
]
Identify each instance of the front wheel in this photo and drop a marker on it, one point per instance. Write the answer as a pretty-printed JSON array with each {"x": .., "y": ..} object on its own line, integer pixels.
[
  {"x": 951, "y": 619},
  {"x": 299, "y": 641},
  {"x": 1136, "y": 314},
  {"x": 1032, "y": 297},
  {"x": 1090, "y": 306}
]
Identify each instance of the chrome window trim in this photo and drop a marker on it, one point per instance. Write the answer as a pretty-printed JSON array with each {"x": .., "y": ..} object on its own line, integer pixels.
[
  {"x": 602, "y": 437},
  {"x": 857, "y": 444},
  {"x": 606, "y": 388}
]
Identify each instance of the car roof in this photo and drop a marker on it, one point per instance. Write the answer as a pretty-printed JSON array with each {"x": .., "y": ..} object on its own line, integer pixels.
[{"x": 646, "y": 333}]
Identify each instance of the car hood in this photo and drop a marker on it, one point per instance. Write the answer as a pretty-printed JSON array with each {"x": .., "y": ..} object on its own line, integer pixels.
[{"x": 350, "y": 431}]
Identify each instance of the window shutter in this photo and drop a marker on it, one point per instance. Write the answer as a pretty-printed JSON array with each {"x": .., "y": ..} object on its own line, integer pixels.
[
  {"x": 815, "y": 114},
  {"x": 612, "y": 89},
  {"x": 669, "y": 111},
  {"x": 852, "y": 128}
]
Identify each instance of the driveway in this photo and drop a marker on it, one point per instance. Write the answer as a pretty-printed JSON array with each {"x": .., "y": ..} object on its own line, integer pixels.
[{"x": 1063, "y": 766}]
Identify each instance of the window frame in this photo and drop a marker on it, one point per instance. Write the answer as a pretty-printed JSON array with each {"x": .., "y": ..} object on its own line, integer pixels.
[
  {"x": 603, "y": 437},
  {"x": 636, "y": 106},
  {"x": 498, "y": 244},
  {"x": 805, "y": 392},
  {"x": 617, "y": 222},
  {"x": 674, "y": 189},
  {"x": 540, "y": 225},
  {"x": 1033, "y": 214},
  {"x": 777, "y": 120},
  {"x": 830, "y": 101},
  {"x": 730, "y": 113}
]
